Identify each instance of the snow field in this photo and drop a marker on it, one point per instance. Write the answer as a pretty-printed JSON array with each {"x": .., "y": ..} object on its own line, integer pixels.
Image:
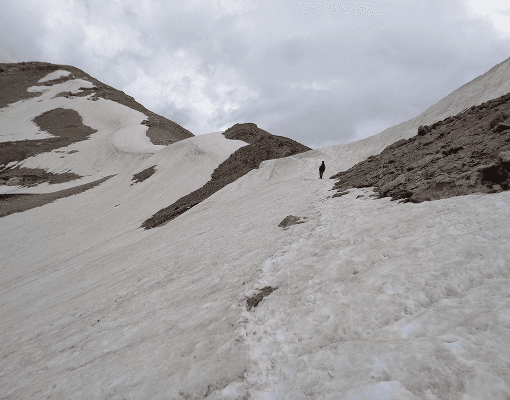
[
  {"x": 121, "y": 312},
  {"x": 169, "y": 340},
  {"x": 118, "y": 206},
  {"x": 386, "y": 300}
]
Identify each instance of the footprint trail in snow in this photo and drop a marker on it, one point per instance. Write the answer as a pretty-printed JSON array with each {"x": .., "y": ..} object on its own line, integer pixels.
[{"x": 377, "y": 297}]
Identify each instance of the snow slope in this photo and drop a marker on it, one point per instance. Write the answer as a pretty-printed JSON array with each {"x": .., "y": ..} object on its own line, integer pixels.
[
  {"x": 375, "y": 299},
  {"x": 120, "y": 142}
]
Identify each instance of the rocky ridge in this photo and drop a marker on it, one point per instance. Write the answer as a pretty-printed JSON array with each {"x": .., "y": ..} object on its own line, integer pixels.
[
  {"x": 462, "y": 154},
  {"x": 262, "y": 146}
]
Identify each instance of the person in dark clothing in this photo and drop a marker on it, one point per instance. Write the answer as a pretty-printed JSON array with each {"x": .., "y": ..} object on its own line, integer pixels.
[{"x": 322, "y": 168}]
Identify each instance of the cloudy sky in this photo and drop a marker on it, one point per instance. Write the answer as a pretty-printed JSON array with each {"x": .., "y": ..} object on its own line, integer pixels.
[{"x": 318, "y": 72}]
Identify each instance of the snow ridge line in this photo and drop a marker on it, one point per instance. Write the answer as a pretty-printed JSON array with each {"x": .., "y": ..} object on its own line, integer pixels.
[{"x": 262, "y": 329}]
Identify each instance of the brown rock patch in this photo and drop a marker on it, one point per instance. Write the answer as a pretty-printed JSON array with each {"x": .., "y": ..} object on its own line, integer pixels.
[
  {"x": 15, "y": 203},
  {"x": 67, "y": 127},
  {"x": 462, "y": 154},
  {"x": 290, "y": 220},
  {"x": 17, "y": 78},
  {"x": 254, "y": 300},
  {"x": 33, "y": 176},
  {"x": 143, "y": 175}
]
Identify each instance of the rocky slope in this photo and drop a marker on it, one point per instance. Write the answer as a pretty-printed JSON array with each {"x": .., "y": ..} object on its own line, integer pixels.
[{"x": 462, "y": 154}]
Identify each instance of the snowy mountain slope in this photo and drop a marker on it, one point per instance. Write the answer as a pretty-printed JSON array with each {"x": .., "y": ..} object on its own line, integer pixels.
[
  {"x": 118, "y": 206},
  {"x": 374, "y": 299},
  {"x": 120, "y": 140},
  {"x": 494, "y": 83},
  {"x": 15, "y": 79}
]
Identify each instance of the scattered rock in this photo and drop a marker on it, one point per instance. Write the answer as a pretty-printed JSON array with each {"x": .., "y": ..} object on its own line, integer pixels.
[
  {"x": 254, "y": 300},
  {"x": 14, "y": 181},
  {"x": 504, "y": 156},
  {"x": 290, "y": 220},
  {"x": 15, "y": 203},
  {"x": 499, "y": 117},
  {"x": 502, "y": 126},
  {"x": 423, "y": 130},
  {"x": 339, "y": 194},
  {"x": 393, "y": 184},
  {"x": 20, "y": 176},
  {"x": 452, "y": 150},
  {"x": 143, "y": 175}
]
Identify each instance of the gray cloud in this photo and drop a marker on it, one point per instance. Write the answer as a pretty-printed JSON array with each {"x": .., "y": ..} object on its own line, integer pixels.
[
  {"x": 313, "y": 71},
  {"x": 505, "y": 12}
]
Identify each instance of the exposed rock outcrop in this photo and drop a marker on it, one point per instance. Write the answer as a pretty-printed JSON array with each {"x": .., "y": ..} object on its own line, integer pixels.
[
  {"x": 462, "y": 154},
  {"x": 291, "y": 220},
  {"x": 14, "y": 203},
  {"x": 143, "y": 175},
  {"x": 254, "y": 300}
]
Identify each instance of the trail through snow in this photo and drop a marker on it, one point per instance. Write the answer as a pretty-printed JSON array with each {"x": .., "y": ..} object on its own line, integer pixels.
[
  {"x": 382, "y": 300},
  {"x": 375, "y": 299}
]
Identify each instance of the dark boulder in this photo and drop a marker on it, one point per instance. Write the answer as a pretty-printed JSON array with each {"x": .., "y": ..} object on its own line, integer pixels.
[
  {"x": 290, "y": 220},
  {"x": 502, "y": 126},
  {"x": 423, "y": 130},
  {"x": 254, "y": 300}
]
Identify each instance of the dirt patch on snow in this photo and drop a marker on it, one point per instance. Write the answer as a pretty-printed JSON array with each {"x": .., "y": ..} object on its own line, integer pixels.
[
  {"x": 254, "y": 300},
  {"x": 67, "y": 127},
  {"x": 262, "y": 146},
  {"x": 290, "y": 220},
  {"x": 33, "y": 176},
  {"x": 15, "y": 203},
  {"x": 15, "y": 79},
  {"x": 463, "y": 154},
  {"x": 143, "y": 175}
]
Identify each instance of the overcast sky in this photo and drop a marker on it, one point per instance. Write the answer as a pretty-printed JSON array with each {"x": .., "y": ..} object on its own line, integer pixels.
[{"x": 318, "y": 72}]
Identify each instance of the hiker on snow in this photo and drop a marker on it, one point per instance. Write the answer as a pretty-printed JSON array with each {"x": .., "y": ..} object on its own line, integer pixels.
[{"x": 322, "y": 168}]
